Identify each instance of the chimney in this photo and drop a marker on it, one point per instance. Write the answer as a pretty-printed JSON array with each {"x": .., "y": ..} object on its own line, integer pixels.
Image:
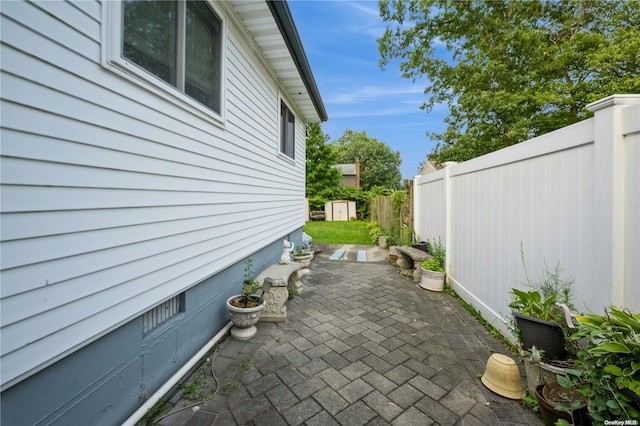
[{"x": 357, "y": 173}]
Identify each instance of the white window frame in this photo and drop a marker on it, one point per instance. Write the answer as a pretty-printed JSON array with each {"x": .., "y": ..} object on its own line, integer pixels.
[
  {"x": 112, "y": 31},
  {"x": 282, "y": 154}
]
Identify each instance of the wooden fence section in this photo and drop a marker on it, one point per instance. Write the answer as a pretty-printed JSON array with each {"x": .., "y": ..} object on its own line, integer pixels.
[
  {"x": 381, "y": 211},
  {"x": 397, "y": 221}
]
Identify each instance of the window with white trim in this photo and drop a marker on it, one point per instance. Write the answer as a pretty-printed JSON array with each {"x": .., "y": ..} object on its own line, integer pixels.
[
  {"x": 287, "y": 131},
  {"x": 178, "y": 42}
]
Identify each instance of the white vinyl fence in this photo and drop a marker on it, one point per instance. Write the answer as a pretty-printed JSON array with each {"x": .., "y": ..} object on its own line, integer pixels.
[{"x": 570, "y": 197}]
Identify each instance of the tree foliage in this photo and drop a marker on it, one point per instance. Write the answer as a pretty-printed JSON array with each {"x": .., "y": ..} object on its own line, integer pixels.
[
  {"x": 320, "y": 175},
  {"x": 379, "y": 164},
  {"x": 324, "y": 182},
  {"x": 516, "y": 69}
]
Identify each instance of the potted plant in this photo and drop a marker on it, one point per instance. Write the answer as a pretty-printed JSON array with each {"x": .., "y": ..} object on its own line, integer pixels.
[
  {"x": 539, "y": 318},
  {"x": 302, "y": 257},
  {"x": 536, "y": 321},
  {"x": 244, "y": 309},
  {"x": 433, "y": 273},
  {"x": 607, "y": 370},
  {"x": 561, "y": 405}
]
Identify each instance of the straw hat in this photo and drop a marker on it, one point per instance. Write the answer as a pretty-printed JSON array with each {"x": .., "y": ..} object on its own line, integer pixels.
[{"x": 503, "y": 377}]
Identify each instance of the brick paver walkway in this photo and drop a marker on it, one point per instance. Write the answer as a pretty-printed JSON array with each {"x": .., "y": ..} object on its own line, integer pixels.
[{"x": 361, "y": 346}]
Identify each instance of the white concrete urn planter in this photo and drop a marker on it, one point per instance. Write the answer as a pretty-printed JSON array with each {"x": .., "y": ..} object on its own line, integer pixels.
[
  {"x": 304, "y": 258},
  {"x": 432, "y": 280},
  {"x": 244, "y": 319}
]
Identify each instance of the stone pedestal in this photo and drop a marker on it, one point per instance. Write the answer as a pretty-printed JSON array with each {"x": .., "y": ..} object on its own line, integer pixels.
[
  {"x": 277, "y": 281},
  {"x": 275, "y": 298}
]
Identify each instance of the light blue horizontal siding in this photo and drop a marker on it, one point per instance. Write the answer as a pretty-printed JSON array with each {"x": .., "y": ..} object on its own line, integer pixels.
[{"x": 114, "y": 199}]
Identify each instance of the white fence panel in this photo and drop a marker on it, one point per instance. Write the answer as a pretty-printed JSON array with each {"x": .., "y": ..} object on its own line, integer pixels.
[
  {"x": 552, "y": 196},
  {"x": 631, "y": 131},
  {"x": 430, "y": 213}
]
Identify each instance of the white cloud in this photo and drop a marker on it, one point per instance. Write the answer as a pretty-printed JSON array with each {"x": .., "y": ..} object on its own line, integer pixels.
[
  {"x": 365, "y": 18},
  {"x": 375, "y": 112},
  {"x": 372, "y": 93},
  {"x": 367, "y": 7}
]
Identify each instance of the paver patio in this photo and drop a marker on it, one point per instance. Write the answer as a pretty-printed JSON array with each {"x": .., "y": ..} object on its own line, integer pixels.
[{"x": 361, "y": 346}]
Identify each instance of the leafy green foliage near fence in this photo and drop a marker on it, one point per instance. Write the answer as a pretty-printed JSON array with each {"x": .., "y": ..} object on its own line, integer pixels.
[{"x": 393, "y": 215}]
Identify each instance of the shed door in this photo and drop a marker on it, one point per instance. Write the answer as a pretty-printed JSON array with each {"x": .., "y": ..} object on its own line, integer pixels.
[{"x": 340, "y": 211}]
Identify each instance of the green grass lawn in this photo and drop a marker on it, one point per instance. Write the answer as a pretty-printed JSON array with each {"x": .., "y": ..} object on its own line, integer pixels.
[{"x": 353, "y": 232}]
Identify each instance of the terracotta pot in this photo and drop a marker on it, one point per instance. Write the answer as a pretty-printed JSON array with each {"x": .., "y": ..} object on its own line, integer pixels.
[{"x": 547, "y": 407}]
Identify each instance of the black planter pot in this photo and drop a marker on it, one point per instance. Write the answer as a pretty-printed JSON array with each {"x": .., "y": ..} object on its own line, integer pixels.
[
  {"x": 422, "y": 245},
  {"x": 542, "y": 334}
]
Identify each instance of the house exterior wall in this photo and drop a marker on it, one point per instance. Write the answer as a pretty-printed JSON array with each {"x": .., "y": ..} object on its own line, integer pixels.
[
  {"x": 349, "y": 181},
  {"x": 107, "y": 380},
  {"x": 115, "y": 199},
  {"x": 569, "y": 196}
]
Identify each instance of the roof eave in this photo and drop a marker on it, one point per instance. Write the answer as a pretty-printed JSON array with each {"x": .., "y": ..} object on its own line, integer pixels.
[{"x": 282, "y": 15}]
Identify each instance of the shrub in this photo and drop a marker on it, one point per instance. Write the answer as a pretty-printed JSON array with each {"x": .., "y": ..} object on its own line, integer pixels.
[{"x": 608, "y": 369}]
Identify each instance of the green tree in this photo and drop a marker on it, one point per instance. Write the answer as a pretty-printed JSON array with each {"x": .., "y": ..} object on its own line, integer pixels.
[
  {"x": 512, "y": 69},
  {"x": 321, "y": 175},
  {"x": 379, "y": 164}
]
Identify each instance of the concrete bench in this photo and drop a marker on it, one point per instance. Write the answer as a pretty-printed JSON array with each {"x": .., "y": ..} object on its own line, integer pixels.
[
  {"x": 276, "y": 282},
  {"x": 409, "y": 260}
]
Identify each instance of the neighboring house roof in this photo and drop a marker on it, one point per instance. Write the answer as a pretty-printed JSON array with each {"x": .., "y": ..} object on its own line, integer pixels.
[
  {"x": 350, "y": 173},
  {"x": 272, "y": 27},
  {"x": 430, "y": 167},
  {"x": 346, "y": 169}
]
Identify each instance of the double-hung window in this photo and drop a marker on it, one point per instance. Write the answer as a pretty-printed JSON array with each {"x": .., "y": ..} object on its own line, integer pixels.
[
  {"x": 287, "y": 131},
  {"x": 178, "y": 42}
]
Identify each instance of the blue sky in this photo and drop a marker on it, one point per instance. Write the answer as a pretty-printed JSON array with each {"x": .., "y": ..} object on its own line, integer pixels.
[{"x": 339, "y": 38}]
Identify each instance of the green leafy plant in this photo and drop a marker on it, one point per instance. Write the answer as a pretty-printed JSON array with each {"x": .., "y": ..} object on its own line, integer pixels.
[
  {"x": 529, "y": 400},
  {"x": 195, "y": 388},
  {"x": 247, "y": 299},
  {"x": 608, "y": 369},
  {"x": 245, "y": 365},
  {"x": 375, "y": 231},
  {"x": 550, "y": 286},
  {"x": 531, "y": 303},
  {"x": 541, "y": 298},
  {"x": 437, "y": 250},
  {"x": 432, "y": 265},
  {"x": 249, "y": 285},
  {"x": 436, "y": 263}
]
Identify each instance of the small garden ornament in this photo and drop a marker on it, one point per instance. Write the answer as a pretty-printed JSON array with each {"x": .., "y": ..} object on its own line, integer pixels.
[{"x": 287, "y": 250}]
